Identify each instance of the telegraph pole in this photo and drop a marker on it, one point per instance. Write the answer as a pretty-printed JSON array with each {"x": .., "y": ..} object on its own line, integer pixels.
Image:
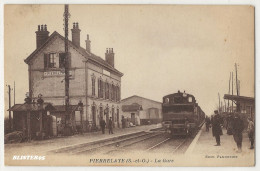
[
  {"x": 221, "y": 107},
  {"x": 229, "y": 90},
  {"x": 66, "y": 20},
  {"x": 237, "y": 86},
  {"x": 236, "y": 79},
  {"x": 14, "y": 92},
  {"x": 9, "y": 96},
  {"x": 219, "y": 102},
  {"x": 225, "y": 107},
  {"x": 232, "y": 92}
]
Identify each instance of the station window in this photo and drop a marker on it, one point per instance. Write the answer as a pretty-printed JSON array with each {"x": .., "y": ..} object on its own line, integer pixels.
[
  {"x": 190, "y": 99},
  {"x": 93, "y": 86},
  {"x": 55, "y": 60},
  {"x": 100, "y": 88},
  {"x": 107, "y": 90}
]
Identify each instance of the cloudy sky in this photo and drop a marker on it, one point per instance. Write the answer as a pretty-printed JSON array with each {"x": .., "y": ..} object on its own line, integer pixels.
[{"x": 160, "y": 48}]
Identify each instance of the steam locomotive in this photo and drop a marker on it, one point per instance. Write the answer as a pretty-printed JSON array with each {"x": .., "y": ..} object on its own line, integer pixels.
[{"x": 181, "y": 114}]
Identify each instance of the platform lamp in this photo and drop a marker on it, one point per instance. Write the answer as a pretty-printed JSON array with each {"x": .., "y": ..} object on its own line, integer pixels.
[{"x": 80, "y": 108}]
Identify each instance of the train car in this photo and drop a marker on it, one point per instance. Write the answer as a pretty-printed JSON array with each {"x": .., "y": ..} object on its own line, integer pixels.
[{"x": 181, "y": 114}]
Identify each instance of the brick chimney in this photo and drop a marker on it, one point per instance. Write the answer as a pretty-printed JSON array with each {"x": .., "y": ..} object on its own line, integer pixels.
[
  {"x": 41, "y": 35},
  {"x": 88, "y": 45},
  {"x": 110, "y": 56},
  {"x": 76, "y": 34}
]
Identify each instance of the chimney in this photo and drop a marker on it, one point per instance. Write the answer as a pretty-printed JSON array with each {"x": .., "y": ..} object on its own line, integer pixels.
[
  {"x": 41, "y": 35},
  {"x": 76, "y": 34},
  {"x": 88, "y": 46},
  {"x": 110, "y": 56}
]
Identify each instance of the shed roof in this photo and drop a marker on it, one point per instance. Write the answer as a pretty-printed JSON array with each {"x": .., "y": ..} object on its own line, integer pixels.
[
  {"x": 141, "y": 98},
  {"x": 239, "y": 98},
  {"x": 31, "y": 107}
]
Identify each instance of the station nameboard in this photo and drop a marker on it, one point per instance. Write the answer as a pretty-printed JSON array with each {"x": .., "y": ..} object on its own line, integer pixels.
[{"x": 57, "y": 73}]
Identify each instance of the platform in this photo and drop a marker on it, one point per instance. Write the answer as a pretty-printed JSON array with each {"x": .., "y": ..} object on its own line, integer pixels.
[
  {"x": 203, "y": 146},
  {"x": 43, "y": 146}
]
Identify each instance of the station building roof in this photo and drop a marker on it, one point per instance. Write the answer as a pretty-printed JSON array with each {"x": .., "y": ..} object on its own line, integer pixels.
[{"x": 86, "y": 54}]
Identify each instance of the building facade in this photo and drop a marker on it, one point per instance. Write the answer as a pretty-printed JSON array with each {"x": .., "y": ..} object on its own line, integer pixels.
[
  {"x": 140, "y": 111},
  {"x": 93, "y": 81}
]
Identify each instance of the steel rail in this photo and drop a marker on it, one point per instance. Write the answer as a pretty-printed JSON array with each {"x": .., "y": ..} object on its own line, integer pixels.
[
  {"x": 156, "y": 145},
  {"x": 112, "y": 143},
  {"x": 179, "y": 146}
]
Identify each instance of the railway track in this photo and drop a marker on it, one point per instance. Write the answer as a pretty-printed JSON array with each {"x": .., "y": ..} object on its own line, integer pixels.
[
  {"x": 120, "y": 142},
  {"x": 151, "y": 142},
  {"x": 173, "y": 145},
  {"x": 169, "y": 145},
  {"x": 156, "y": 145}
]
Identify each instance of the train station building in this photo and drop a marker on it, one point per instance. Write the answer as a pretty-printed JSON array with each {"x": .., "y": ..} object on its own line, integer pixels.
[
  {"x": 141, "y": 111},
  {"x": 94, "y": 82}
]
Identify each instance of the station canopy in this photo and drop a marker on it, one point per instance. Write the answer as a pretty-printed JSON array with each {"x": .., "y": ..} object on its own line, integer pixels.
[{"x": 239, "y": 98}]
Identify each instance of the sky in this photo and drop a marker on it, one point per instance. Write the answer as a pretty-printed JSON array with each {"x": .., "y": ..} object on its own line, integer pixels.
[{"x": 160, "y": 48}]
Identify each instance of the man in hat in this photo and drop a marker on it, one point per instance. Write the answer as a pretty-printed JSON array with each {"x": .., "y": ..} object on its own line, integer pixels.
[
  {"x": 238, "y": 127},
  {"x": 110, "y": 126},
  {"x": 207, "y": 120},
  {"x": 216, "y": 127},
  {"x": 102, "y": 125},
  {"x": 251, "y": 132}
]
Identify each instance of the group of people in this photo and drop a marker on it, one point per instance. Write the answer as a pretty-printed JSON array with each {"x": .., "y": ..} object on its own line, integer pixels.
[
  {"x": 110, "y": 125},
  {"x": 235, "y": 126},
  {"x": 103, "y": 125}
]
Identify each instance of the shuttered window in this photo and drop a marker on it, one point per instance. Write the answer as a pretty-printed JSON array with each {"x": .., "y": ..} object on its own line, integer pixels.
[
  {"x": 93, "y": 86},
  {"x": 99, "y": 91},
  {"x": 56, "y": 60},
  {"x": 62, "y": 60}
]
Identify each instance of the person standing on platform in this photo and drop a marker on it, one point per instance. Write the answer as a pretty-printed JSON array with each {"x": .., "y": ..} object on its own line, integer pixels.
[
  {"x": 238, "y": 127},
  {"x": 216, "y": 127},
  {"x": 123, "y": 122},
  {"x": 102, "y": 125},
  {"x": 207, "y": 120},
  {"x": 110, "y": 126},
  {"x": 229, "y": 124},
  {"x": 251, "y": 132}
]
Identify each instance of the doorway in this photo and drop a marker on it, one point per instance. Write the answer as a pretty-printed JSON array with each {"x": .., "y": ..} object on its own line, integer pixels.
[
  {"x": 107, "y": 116},
  {"x": 117, "y": 117},
  {"x": 94, "y": 115},
  {"x": 113, "y": 117},
  {"x": 133, "y": 118}
]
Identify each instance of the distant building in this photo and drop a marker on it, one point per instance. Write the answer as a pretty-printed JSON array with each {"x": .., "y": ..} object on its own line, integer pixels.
[
  {"x": 93, "y": 81},
  {"x": 139, "y": 110}
]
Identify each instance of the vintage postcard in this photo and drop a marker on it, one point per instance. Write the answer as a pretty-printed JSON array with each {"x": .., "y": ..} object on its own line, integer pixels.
[{"x": 129, "y": 85}]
